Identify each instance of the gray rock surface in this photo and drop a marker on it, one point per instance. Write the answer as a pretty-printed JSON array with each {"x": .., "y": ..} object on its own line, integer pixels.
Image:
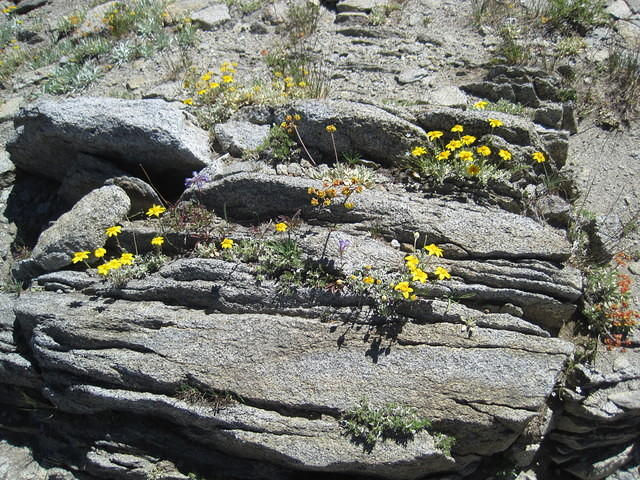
[
  {"x": 239, "y": 137},
  {"x": 212, "y": 16},
  {"x": 129, "y": 133}
]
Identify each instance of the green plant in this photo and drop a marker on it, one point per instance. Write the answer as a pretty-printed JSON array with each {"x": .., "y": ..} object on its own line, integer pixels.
[
  {"x": 68, "y": 24},
  {"x": 505, "y": 106},
  {"x": 72, "y": 78},
  {"x": 580, "y": 16},
  {"x": 143, "y": 266},
  {"x": 279, "y": 144},
  {"x": 302, "y": 19},
  {"x": 366, "y": 425},
  {"x": 513, "y": 49},
  {"x": 380, "y": 13},
  {"x": 623, "y": 66}
]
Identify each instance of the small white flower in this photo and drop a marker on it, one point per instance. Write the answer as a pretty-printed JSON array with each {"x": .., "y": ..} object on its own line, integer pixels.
[{"x": 578, "y": 390}]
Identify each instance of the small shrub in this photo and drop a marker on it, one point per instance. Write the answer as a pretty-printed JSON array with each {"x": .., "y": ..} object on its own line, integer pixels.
[
  {"x": 68, "y": 24},
  {"x": 366, "y": 425},
  {"x": 143, "y": 266},
  {"x": 72, "y": 78},
  {"x": 302, "y": 19},
  {"x": 279, "y": 144},
  {"x": 580, "y": 16}
]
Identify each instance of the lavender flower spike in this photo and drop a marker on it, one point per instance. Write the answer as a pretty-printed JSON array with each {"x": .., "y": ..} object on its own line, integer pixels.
[{"x": 198, "y": 180}]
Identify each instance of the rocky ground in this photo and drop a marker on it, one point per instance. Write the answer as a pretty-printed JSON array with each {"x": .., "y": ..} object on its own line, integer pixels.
[{"x": 205, "y": 367}]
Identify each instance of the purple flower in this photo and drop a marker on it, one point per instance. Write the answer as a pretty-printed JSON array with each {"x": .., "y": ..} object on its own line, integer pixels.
[
  {"x": 343, "y": 245},
  {"x": 198, "y": 179}
]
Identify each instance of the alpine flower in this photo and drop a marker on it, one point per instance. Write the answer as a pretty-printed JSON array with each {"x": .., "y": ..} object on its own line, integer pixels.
[
  {"x": 457, "y": 128},
  {"x": 330, "y": 128},
  {"x": 538, "y": 157},
  {"x": 282, "y": 227},
  {"x": 505, "y": 155},
  {"x": 100, "y": 252},
  {"x": 419, "y": 276},
  {"x": 197, "y": 179},
  {"x": 481, "y": 105},
  {"x": 473, "y": 169},
  {"x": 113, "y": 231},
  {"x": 465, "y": 155},
  {"x": 433, "y": 134},
  {"x": 404, "y": 288},
  {"x": 80, "y": 256},
  {"x": 227, "y": 243},
  {"x": 454, "y": 144},
  {"x": 418, "y": 151},
  {"x": 126, "y": 258},
  {"x": 442, "y": 273},
  {"x": 494, "y": 122},
  {"x": 155, "y": 210},
  {"x": 369, "y": 280},
  {"x": 484, "y": 150},
  {"x": 103, "y": 269},
  {"x": 433, "y": 249},
  {"x": 157, "y": 241},
  {"x": 443, "y": 155},
  {"x": 468, "y": 139}
]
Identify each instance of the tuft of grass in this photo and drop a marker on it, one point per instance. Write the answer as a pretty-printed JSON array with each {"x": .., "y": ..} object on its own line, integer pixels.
[
  {"x": 623, "y": 67},
  {"x": 579, "y": 16}
]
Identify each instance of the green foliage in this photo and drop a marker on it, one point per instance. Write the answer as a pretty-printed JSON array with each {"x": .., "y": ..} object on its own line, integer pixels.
[
  {"x": 380, "y": 13},
  {"x": 143, "y": 266},
  {"x": 513, "y": 49},
  {"x": 580, "y": 16},
  {"x": 72, "y": 78},
  {"x": 623, "y": 66},
  {"x": 302, "y": 19},
  {"x": 68, "y": 24},
  {"x": 505, "y": 106},
  {"x": 279, "y": 144},
  {"x": 366, "y": 425}
]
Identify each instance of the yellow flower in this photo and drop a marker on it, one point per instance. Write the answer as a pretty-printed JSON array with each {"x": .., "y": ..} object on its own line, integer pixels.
[
  {"x": 281, "y": 227},
  {"x": 419, "y": 276},
  {"x": 214, "y": 85},
  {"x": 227, "y": 243},
  {"x": 369, "y": 280},
  {"x": 481, "y": 105},
  {"x": 443, "y": 155},
  {"x": 433, "y": 249},
  {"x": 80, "y": 256},
  {"x": 473, "y": 169},
  {"x": 457, "y": 128},
  {"x": 468, "y": 139},
  {"x": 411, "y": 262},
  {"x": 418, "y": 151},
  {"x": 126, "y": 258},
  {"x": 442, "y": 273},
  {"x": 278, "y": 74},
  {"x": 404, "y": 288},
  {"x": 157, "y": 241},
  {"x": 155, "y": 210},
  {"x": 302, "y": 84},
  {"x": 349, "y": 205},
  {"x": 326, "y": 202},
  {"x": 188, "y": 101},
  {"x": 494, "y": 122},
  {"x": 297, "y": 117},
  {"x": 206, "y": 77},
  {"x": 202, "y": 92},
  {"x": 330, "y": 128},
  {"x": 114, "y": 264},
  {"x": 314, "y": 201},
  {"x": 453, "y": 145},
  {"x": 104, "y": 269},
  {"x": 538, "y": 157},
  {"x": 100, "y": 252},
  {"x": 311, "y": 191},
  {"x": 505, "y": 155},
  {"x": 484, "y": 150},
  {"x": 433, "y": 134},
  {"x": 113, "y": 231},
  {"x": 465, "y": 155},
  {"x": 227, "y": 78}
]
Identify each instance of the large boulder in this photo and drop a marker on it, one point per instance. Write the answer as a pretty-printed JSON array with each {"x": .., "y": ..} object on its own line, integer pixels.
[
  {"x": 142, "y": 137},
  {"x": 82, "y": 228}
]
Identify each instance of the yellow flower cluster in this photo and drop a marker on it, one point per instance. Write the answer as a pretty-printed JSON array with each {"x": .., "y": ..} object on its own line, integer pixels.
[
  {"x": 209, "y": 86},
  {"x": 291, "y": 84},
  {"x": 341, "y": 189},
  {"x": 289, "y": 123},
  {"x": 418, "y": 274},
  {"x": 9, "y": 9},
  {"x": 113, "y": 264}
]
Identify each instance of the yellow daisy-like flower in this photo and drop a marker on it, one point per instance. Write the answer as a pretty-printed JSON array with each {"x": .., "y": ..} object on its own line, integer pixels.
[
  {"x": 297, "y": 117},
  {"x": 330, "y": 128},
  {"x": 158, "y": 241},
  {"x": 481, "y": 105},
  {"x": 419, "y": 276},
  {"x": 114, "y": 264},
  {"x": 214, "y": 85},
  {"x": 442, "y": 273},
  {"x": 369, "y": 280},
  {"x": 227, "y": 79},
  {"x": 434, "y": 250},
  {"x": 404, "y": 288},
  {"x": 494, "y": 122},
  {"x": 465, "y": 155},
  {"x": 411, "y": 261},
  {"x": 457, "y": 128},
  {"x": 484, "y": 150},
  {"x": 126, "y": 258},
  {"x": 188, "y": 101},
  {"x": 538, "y": 157},
  {"x": 281, "y": 227},
  {"x": 468, "y": 139},
  {"x": 326, "y": 202},
  {"x": 433, "y": 134},
  {"x": 80, "y": 256},
  {"x": 454, "y": 145},
  {"x": 418, "y": 151},
  {"x": 206, "y": 77},
  {"x": 445, "y": 154},
  {"x": 505, "y": 155},
  {"x": 227, "y": 243},
  {"x": 113, "y": 231},
  {"x": 100, "y": 252},
  {"x": 155, "y": 211},
  {"x": 473, "y": 169},
  {"x": 302, "y": 84},
  {"x": 104, "y": 269},
  {"x": 349, "y": 205},
  {"x": 314, "y": 201}
]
